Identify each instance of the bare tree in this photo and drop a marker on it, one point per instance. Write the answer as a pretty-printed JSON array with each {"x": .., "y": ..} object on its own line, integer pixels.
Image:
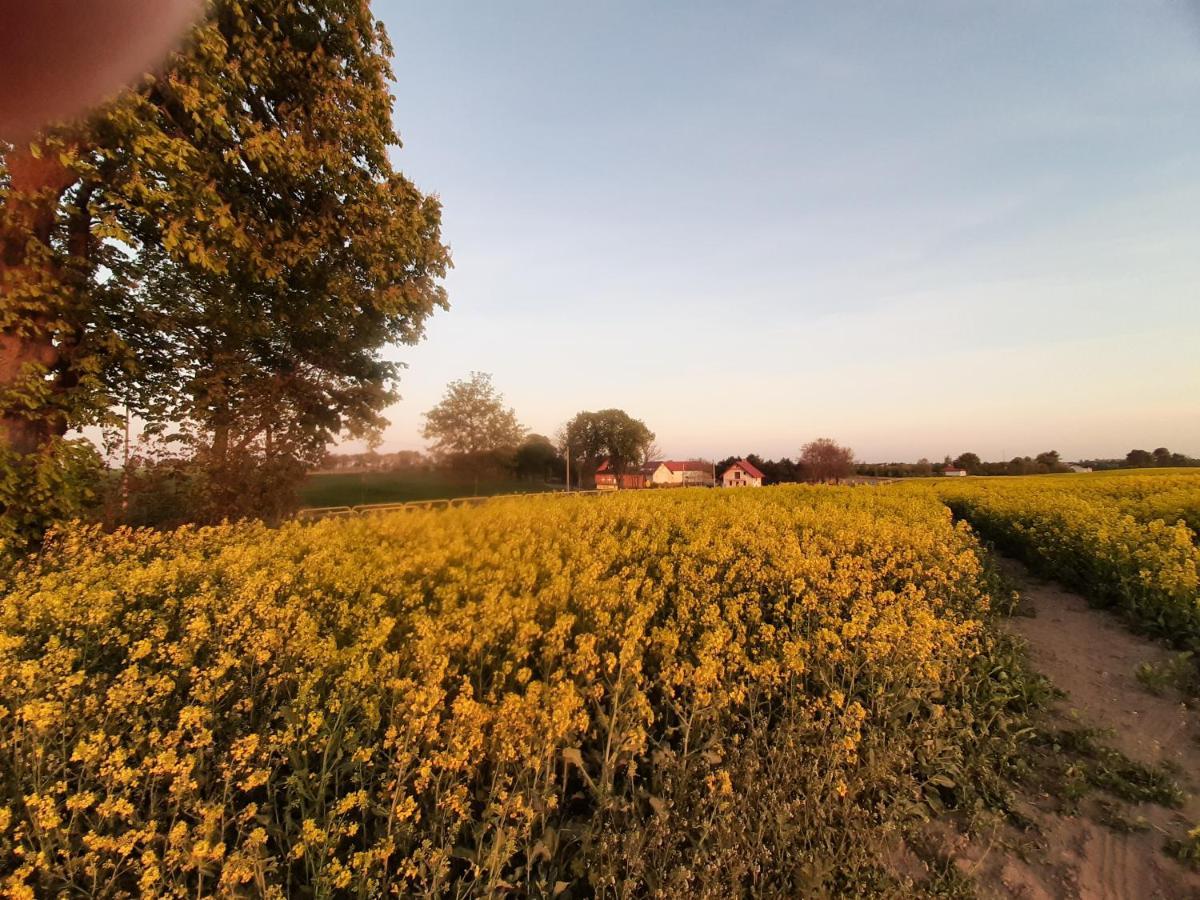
[
  {"x": 652, "y": 453},
  {"x": 826, "y": 460}
]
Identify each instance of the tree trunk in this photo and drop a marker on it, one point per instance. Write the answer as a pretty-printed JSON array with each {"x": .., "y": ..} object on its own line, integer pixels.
[
  {"x": 220, "y": 444},
  {"x": 30, "y": 291}
]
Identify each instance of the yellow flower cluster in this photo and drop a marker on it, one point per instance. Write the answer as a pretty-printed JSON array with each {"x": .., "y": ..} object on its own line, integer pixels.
[
  {"x": 1128, "y": 540},
  {"x": 456, "y": 702}
]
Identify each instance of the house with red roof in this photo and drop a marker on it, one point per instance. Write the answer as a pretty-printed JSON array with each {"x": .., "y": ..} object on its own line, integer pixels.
[
  {"x": 656, "y": 473},
  {"x": 679, "y": 473},
  {"x": 632, "y": 479},
  {"x": 742, "y": 474},
  {"x": 954, "y": 472}
]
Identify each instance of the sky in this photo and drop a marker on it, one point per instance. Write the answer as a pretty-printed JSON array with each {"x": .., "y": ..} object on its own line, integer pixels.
[{"x": 918, "y": 229}]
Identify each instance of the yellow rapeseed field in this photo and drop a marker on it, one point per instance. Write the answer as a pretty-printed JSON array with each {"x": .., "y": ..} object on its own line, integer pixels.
[
  {"x": 1126, "y": 539},
  {"x": 673, "y": 693}
]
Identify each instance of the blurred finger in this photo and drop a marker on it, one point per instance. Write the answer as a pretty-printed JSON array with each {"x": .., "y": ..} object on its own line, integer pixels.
[{"x": 59, "y": 57}]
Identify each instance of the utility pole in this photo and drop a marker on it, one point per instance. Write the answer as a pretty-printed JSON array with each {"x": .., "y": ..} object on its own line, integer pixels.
[
  {"x": 568, "y": 467},
  {"x": 125, "y": 469}
]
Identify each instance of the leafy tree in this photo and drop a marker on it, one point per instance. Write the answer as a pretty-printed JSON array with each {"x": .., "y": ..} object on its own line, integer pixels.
[
  {"x": 825, "y": 460},
  {"x": 724, "y": 464},
  {"x": 471, "y": 427},
  {"x": 1139, "y": 459},
  {"x": 611, "y": 434},
  {"x": 227, "y": 246},
  {"x": 969, "y": 461},
  {"x": 758, "y": 462},
  {"x": 1049, "y": 459},
  {"x": 37, "y": 488},
  {"x": 1162, "y": 456},
  {"x": 788, "y": 470},
  {"x": 538, "y": 458}
]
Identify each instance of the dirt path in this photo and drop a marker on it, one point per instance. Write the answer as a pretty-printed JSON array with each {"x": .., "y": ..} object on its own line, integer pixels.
[{"x": 1091, "y": 656}]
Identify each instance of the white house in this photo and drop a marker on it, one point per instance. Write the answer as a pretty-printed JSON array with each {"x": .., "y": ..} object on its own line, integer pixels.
[
  {"x": 677, "y": 473},
  {"x": 742, "y": 474},
  {"x": 954, "y": 472},
  {"x": 656, "y": 472},
  {"x": 1075, "y": 468}
]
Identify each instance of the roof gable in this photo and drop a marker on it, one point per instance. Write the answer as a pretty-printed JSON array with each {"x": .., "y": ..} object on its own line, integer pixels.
[{"x": 748, "y": 467}]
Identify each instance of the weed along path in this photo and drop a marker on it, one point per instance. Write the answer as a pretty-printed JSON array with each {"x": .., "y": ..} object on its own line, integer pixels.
[
  {"x": 1093, "y": 657},
  {"x": 1119, "y": 768}
]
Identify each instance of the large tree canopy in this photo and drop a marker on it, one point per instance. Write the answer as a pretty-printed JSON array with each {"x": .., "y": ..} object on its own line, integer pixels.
[
  {"x": 227, "y": 246},
  {"x": 538, "y": 458},
  {"x": 471, "y": 424},
  {"x": 826, "y": 460},
  {"x": 608, "y": 433}
]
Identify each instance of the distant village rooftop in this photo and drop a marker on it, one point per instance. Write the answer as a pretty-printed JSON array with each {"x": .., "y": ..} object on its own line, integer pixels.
[
  {"x": 657, "y": 473},
  {"x": 742, "y": 473}
]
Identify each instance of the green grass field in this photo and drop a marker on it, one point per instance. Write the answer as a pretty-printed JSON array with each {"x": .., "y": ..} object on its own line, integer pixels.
[{"x": 352, "y": 488}]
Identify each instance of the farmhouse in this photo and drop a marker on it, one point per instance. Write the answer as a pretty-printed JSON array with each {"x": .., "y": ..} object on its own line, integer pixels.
[
  {"x": 954, "y": 472},
  {"x": 675, "y": 473},
  {"x": 1078, "y": 468},
  {"x": 631, "y": 480},
  {"x": 742, "y": 474},
  {"x": 606, "y": 478},
  {"x": 657, "y": 473}
]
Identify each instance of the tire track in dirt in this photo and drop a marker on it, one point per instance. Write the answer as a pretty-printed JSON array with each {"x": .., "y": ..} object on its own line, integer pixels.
[{"x": 1091, "y": 656}]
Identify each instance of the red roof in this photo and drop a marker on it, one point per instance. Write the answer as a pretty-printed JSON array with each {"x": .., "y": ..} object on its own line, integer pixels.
[
  {"x": 674, "y": 465},
  {"x": 749, "y": 468},
  {"x": 689, "y": 465}
]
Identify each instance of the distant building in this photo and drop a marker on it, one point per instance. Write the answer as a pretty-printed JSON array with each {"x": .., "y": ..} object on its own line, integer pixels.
[
  {"x": 679, "y": 473},
  {"x": 954, "y": 472},
  {"x": 742, "y": 474},
  {"x": 606, "y": 478},
  {"x": 1075, "y": 468},
  {"x": 656, "y": 472}
]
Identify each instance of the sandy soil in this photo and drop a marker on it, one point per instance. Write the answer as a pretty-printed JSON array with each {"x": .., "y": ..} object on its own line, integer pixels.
[{"x": 1091, "y": 656}]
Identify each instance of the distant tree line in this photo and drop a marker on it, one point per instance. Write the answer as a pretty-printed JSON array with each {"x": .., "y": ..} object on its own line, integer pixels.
[
  {"x": 1160, "y": 457},
  {"x": 373, "y": 461},
  {"x": 1044, "y": 463}
]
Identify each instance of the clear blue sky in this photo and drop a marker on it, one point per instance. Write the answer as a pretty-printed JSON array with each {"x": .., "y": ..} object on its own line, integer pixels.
[{"x": 916, "y": 228}]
